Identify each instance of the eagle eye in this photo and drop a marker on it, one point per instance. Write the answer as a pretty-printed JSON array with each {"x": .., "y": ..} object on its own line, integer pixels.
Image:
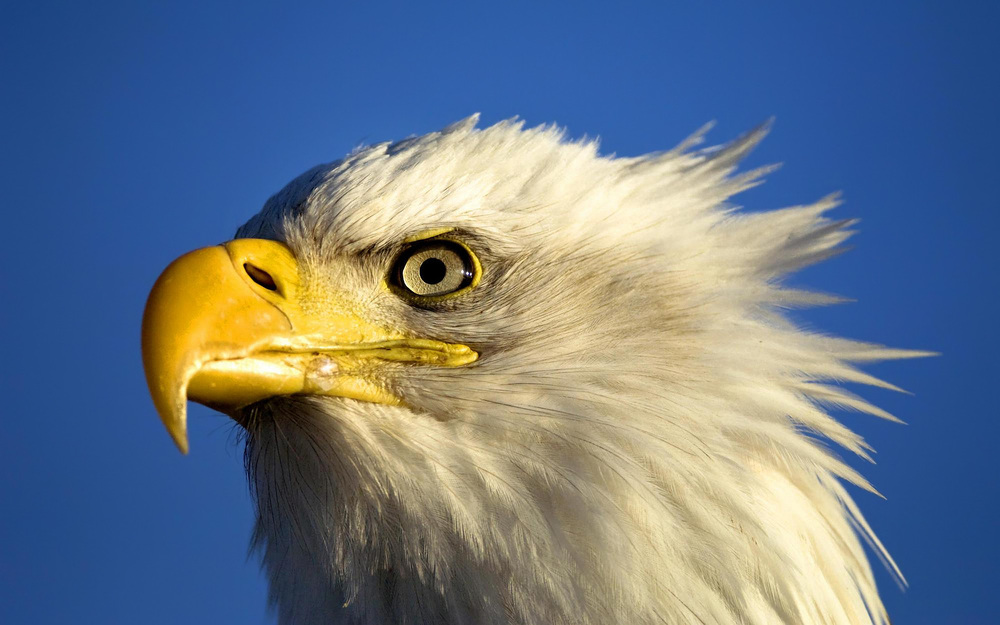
[{"x": 434, "y": 268}]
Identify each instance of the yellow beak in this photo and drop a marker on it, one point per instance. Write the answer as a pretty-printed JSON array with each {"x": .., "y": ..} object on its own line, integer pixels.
[{"x": 225, "y": 326}]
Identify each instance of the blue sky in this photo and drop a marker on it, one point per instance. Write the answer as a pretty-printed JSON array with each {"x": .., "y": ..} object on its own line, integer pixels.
[{"x": 132, "y": 133}]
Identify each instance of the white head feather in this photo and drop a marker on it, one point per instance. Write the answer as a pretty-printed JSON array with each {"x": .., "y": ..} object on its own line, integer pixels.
[{"x": 639, "y": 441}]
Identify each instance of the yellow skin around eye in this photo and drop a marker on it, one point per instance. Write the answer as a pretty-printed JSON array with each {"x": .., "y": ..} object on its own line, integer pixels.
[{"x": 439, "y": 234}]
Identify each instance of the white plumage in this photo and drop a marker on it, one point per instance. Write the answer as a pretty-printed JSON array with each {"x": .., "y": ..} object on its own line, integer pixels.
[{"x": 641, "y": 439}]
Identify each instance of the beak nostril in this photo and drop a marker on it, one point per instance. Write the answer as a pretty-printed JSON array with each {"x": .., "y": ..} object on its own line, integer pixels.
[{"x": 260, "y": 276}]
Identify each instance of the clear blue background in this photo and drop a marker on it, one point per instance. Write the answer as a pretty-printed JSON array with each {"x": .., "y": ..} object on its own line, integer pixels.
[{"x": 131, "y": 134}]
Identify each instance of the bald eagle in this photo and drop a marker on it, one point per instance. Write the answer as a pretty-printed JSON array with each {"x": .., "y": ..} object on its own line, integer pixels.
[{"x": 491, "y": 376}]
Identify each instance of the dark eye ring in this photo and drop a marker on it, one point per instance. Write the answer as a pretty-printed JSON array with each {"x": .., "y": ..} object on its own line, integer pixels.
[{"x": 435, "y": 268}]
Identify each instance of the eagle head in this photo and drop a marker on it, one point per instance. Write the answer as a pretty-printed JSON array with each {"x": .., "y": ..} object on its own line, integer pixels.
[{"x": 490, "y": 376}]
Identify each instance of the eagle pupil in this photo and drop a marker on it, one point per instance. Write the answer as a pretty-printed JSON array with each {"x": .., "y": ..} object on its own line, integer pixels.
[{"x": 433, "y": 270}]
